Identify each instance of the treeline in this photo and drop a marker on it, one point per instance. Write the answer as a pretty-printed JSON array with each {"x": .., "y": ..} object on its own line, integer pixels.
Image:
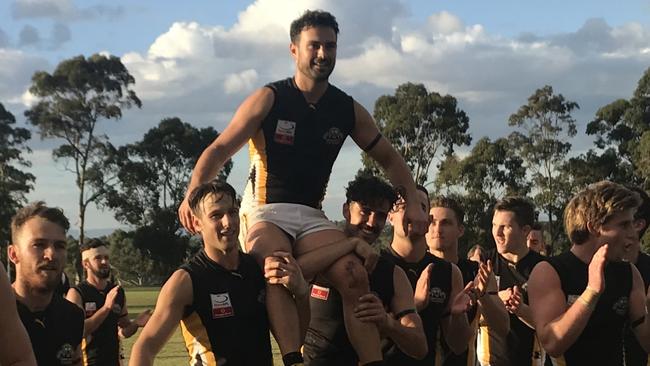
[{"x": 143, "y": 183}]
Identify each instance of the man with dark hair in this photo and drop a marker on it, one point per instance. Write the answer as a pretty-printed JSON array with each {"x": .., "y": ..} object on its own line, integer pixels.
[
  {"x": 295, "y": 129},
  {"x": 512, "y": 263},
  {"x": 368, "y": 201},
  {"x": 535, "y": 239},
  {"x": 104, "y": 304},
  {"x": 15, "y": 348},
  {"x": 218, "y": 296},
  {"x": 634, "y": 353},
  {"x": 439, "y": 296},
  {"x": 38, "y": 249},
  {"x": 445, "y": 229},
  {"x": 582, "y": 299}
]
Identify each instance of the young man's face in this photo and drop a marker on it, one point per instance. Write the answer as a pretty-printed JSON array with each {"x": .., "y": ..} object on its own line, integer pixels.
[
  {"x": 315, "y": 52},
  {"x": 98, "y": 262},
  {"x": 444, "y": 229},
  {"x": 365, "y": 221},
  {"x": 535, "y": 241},
  {"x": 620, "y": 233},
  {"x": 39, "y": 254},
  {"x": 508, "y": 235},
  {"x": 396, "y": 215},
  {"x": 218, "y": 222}
]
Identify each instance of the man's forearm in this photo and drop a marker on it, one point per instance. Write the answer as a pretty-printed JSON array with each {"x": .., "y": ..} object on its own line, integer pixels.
[
  {"x": 495, "y": 314},
  {"x": 92, "y": 323},
  {"x": 557, "y": 336},
  {"x": 207, "y": 166},
  {"x": 525, "y": 315},
  {"x": 141, "y": 356},
  {"x": 410, "y": 338},
  {"x": 457, "y": 332}
]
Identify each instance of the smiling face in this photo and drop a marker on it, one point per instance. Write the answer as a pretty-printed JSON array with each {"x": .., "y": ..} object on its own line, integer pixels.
[
  {"x": 314, "y": 52},
  {"x": 444, "y": 229},
  {"x": 365, "y": 221},
  {"x": 39, "y": 253},
  {"x": 218, "y": 222},
  {"x": 619, "y": 233}
]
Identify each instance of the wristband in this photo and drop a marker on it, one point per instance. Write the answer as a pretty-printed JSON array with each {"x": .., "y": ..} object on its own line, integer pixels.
[
  {"x": 637, "y": 322},
  {"x": 589, "y": 297}
]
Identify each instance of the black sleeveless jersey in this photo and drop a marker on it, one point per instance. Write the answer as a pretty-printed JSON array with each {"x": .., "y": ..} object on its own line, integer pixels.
[
  {"x": 469, "y": 270},
  {"x": 102, "y": 347},
  {"x": 292, "y": 154},
  {"x": 521, "y": 338},
  {"x": 439, "y": 292},
  {"x": 327, "y": 341},
  {"x": 634, "y": 353},
  {"x": 55, "y": 333},
  {"x": 227, "y": 322},
  {"x": 601, "y": 342}
]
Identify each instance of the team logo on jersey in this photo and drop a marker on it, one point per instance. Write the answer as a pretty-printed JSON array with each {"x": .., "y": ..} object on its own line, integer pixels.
[
  {"x": 66, "y": 354},
  {"x": 285, "y": 131},
  {"x": 318, "y": 292},
  {"x": 437, "y": 296},
  {"x": 221, "y": 306},
  {"x": 334, "y": 136},
  {"x": 620, "y": 307},
  {"x": 90, "y": 308}
]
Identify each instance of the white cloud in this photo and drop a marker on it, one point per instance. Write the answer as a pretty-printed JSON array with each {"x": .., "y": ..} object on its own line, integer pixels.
[
  {"x": 243, "y": 82},
  {"x": 62, "y": 10}
]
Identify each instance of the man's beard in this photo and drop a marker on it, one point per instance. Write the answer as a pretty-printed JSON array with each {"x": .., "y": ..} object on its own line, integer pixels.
[
  {"x": 44, "y": 284},
  {"x": 102, "y": 273}
]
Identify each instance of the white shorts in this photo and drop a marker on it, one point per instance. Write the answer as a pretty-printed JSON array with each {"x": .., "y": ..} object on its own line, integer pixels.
[{"x": 294, "y": 219}]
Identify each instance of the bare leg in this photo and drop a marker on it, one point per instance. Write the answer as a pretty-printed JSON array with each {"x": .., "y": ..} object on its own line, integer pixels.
[
  {"x": 350, "y": 279},
  {"x": 263, "y": 239}
]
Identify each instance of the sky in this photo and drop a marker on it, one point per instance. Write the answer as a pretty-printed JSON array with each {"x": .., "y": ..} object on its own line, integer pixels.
[{"x": 197, "y": 60}]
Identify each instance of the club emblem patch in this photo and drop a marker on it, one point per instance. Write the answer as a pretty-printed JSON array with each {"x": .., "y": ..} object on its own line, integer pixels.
[
  {"x": 334, "y": 136},
  {"x": 285, "y": 131},
  {"x": 221, "y": 306},
  {"x": 90, "y": 308},
  {"x": 318, "y": 292}
]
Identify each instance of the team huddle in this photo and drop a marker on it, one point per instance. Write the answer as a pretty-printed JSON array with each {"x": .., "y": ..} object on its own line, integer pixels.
[{"x": 275, "y": 263}]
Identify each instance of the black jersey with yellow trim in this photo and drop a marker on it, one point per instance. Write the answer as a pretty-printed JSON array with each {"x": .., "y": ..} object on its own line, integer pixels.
[
  {"x": 469, "y": 270},
  {"x": 634, "y": 353},
  {"x": 521, "y": 342},
  {"x": 601, "y": 341},
  {"x": 102, "y": 347},
  {"x": 55, "y": 333},
  {"x": 439, "y": 293},
  {"x": 227, "y": 322},
  {"x": 327, "y": 342},
  {"x": 293, "y": 152}
]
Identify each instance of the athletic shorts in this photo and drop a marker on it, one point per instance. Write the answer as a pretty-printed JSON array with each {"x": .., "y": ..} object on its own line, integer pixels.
[{"x": 294, "y": 219}]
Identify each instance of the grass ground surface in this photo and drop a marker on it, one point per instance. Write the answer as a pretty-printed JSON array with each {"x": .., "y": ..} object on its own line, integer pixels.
[{"x": 174, "y": 352}]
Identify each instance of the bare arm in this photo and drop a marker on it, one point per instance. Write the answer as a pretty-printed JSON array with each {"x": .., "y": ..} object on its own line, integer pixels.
[
  {"x": 638, "y": 310},
  {"x": 93, "y": 322},
  {"x": 126, "y": 327},
  {"x": 365, "y": 131},
  {"x": 174, "y": 297},
  {"x": 246, "y": 121},
  {"x": 407, "y": 331},
  {"x": 15, "y": 346},
  {"x": 455, "y": 327},
  {"x": 317, "y": 260},
  {"x": 493, "y": 311},
  {"x": 558, "y": 327}
]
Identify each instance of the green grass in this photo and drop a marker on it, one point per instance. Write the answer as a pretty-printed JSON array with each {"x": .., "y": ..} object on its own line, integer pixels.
[{"x": 174, "y": 352}]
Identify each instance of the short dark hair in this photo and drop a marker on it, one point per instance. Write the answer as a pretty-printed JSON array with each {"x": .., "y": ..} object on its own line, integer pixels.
[
  {"x": 37, "y": 209},
  {"x": 216, "y": 187},
  {"x": 523, "y": 209},
  {"x": 450, "y": 203},
  {"x": 369, "y": 189},
  {"x": 92, "y": 243},
  {"x": 643, "y": 211},
  {"x": 536, "y": 226},
  {"x": 312, "y": 18}
]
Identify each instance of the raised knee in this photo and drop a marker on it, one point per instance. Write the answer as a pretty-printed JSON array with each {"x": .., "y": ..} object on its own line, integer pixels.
[{"x": 350, "y": 278}]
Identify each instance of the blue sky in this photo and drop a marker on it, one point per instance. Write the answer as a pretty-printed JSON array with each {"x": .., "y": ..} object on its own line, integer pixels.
[{"x": 198, "y": 60}]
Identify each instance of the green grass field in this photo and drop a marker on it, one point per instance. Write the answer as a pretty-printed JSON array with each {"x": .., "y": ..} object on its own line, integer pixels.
[{"x": 174, "y": 352}]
